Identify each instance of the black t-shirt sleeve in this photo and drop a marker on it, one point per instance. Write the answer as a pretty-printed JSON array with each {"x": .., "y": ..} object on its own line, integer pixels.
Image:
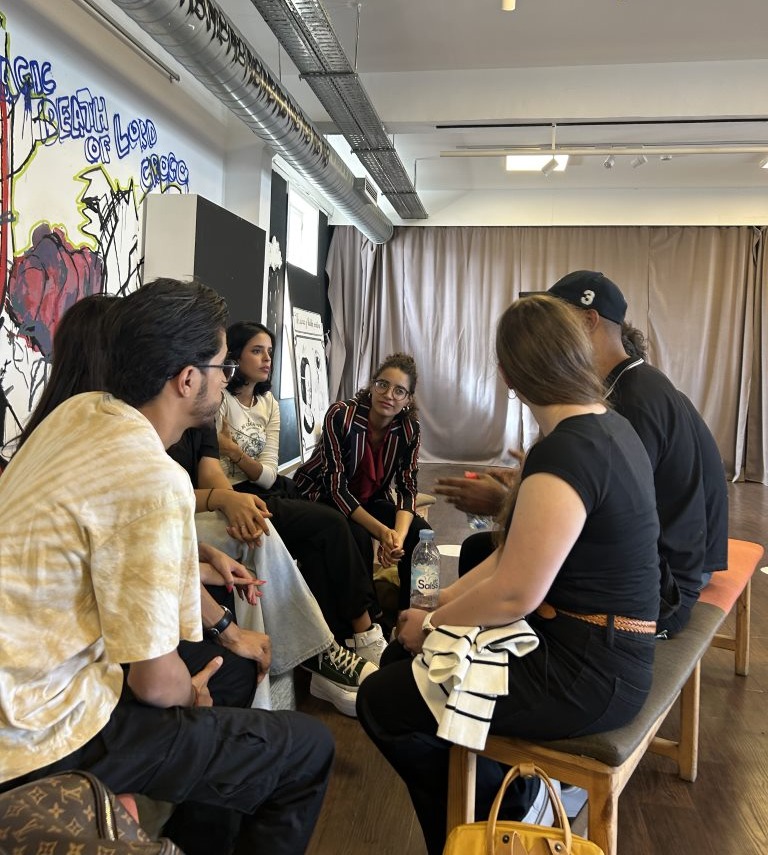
[
  {"x": 570, "y": 458},
  {"x": 194, "y": 444},
  {"x": 209, "y": 442}
]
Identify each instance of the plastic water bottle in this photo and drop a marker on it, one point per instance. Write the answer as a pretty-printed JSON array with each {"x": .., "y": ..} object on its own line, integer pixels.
[
  {"x": 425, "y": 572},
  {"x": 478, "y": 522}
]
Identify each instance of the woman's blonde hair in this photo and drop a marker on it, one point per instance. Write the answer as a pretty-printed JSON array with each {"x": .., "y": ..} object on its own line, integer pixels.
[{"x": 545, "y": 354}]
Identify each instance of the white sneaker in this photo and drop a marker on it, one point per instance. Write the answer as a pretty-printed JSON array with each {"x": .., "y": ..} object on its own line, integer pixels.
[
  {"x": 342, "y": 698},
  {"x": 541, "y": 811},
  {"x": 370, "y": 645},
  {"x": 574, "y": 799}
]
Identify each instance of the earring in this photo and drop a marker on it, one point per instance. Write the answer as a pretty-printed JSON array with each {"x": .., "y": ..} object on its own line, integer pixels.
[{"x": 512, "y": 395}]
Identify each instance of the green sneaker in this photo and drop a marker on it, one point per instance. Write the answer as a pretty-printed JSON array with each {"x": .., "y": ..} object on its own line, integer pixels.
[
  {"x": 336, "y": 674},
  {"x": 340, "y": 666}
]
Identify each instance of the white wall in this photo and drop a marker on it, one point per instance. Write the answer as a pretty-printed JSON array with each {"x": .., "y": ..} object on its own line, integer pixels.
[{"x": 79, "y": 176}]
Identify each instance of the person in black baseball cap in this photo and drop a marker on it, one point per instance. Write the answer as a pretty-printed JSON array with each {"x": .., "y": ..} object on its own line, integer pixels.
[
  {"x": 588, "y": 289},
  {"x": 693, "y": 538}
]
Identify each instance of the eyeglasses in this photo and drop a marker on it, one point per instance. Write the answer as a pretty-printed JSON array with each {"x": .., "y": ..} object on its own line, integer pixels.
[
  {"x": 227, "y": 368},
  {"x": 399, "y": 393}
]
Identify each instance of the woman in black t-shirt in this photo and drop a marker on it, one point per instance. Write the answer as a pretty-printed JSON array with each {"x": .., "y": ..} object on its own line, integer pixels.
[{"x": 578, "y": 561}]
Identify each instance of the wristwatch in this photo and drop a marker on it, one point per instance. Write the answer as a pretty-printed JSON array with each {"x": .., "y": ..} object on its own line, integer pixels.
[
  {"x": 427, "y": 625},
  {"x": 215, "y": 631}
]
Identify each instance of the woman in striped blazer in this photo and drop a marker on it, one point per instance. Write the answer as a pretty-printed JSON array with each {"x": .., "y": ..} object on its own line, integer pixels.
[{"x": 369, "y": 444}]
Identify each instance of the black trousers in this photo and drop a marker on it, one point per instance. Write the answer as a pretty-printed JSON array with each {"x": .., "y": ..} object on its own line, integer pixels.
[
  {"x": 475, "y": 549},
  {"x": 272, "y": 767},
  {"x": 320, "y": 540},
  {"x": 385, "y": 512},
  {"x": 581, "y": 679}
]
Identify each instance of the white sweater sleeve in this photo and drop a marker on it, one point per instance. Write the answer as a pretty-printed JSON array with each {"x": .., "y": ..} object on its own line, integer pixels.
[{"x": 269, "y": 456}]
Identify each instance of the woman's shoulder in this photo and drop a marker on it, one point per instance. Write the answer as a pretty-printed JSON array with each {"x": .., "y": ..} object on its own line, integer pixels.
[
  {"x": 227, "y": 401},
  {"x": 346, "y": 409},
  {"x": 410, "y": 425}
]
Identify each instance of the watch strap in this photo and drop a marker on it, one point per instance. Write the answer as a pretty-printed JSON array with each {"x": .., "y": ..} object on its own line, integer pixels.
[{"x": 219, "y": 627}]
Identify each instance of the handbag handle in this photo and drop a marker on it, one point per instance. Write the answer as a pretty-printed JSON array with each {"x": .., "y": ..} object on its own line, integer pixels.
[{"x": 527, "y": 770}]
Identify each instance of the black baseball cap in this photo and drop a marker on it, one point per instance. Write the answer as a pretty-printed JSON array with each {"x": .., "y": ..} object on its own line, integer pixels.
[{"x": 588, "y": 289}]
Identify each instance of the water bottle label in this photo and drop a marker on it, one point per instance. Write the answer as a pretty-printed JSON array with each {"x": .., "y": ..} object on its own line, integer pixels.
[{"x": 425, "y": 585}]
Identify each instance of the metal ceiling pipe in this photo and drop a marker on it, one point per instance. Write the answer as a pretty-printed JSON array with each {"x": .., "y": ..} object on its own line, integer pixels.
[{"x": 202, "y": 39}]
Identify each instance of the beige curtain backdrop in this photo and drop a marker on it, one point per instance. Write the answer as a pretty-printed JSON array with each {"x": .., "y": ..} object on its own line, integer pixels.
[{"x": 438, "y": 292}]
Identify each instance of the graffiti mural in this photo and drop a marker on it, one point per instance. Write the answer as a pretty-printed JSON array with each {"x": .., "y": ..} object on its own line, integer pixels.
[{"x": 74, "y": 171}]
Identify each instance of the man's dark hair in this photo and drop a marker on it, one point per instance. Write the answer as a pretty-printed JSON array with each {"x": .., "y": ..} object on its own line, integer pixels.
[{"x": 158, "y": 331}]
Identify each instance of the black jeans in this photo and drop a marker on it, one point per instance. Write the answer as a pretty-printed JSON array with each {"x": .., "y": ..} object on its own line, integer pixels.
[
  {"x": 385, "y": 512},
  {"x": 581, "y": 679},
  {"x": 272, "y": 767},
  {"x": 474, "y": 549}
]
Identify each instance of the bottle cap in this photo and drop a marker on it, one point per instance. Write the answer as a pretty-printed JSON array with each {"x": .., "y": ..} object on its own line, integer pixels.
[{"x": 426, "y": 534}]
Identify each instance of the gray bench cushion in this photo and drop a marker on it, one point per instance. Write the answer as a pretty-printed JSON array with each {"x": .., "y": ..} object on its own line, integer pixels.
[{"x": 674, "y": 662}]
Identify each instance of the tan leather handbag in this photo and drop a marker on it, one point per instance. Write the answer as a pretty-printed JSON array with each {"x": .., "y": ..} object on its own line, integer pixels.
[{"x": 519, "y": 838}]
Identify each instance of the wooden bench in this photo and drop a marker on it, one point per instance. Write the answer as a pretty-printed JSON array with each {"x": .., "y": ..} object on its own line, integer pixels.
[{"x": 603, "y": 763}]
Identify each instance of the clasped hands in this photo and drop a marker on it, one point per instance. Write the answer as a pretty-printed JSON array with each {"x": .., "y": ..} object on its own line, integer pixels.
[{"x": 390, "y": 549}]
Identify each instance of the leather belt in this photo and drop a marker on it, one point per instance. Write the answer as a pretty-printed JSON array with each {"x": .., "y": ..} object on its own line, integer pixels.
[{"x": 627, "y": 624}]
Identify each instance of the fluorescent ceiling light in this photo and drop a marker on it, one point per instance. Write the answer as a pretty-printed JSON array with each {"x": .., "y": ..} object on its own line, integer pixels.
[{"x": 535, "y": 162}]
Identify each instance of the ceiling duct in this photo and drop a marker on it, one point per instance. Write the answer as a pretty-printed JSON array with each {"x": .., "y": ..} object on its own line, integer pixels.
[
  {"x": 200, "y": 37},
  {"x": 302, "y": 27}
]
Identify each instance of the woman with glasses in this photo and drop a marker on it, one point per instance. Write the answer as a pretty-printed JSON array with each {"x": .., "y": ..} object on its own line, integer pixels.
[
  {"x": 367, "y": 443},
  {"x": 315, "y": 535}
]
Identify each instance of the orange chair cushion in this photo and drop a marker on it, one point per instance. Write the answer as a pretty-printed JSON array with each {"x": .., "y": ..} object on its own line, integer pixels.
[{"x": 725, "y": 586}]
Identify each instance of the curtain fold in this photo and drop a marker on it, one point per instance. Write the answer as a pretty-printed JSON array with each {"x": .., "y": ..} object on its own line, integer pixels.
[
  {"x": 755, "y": 442},
  {"x": 437, "y": 293}
]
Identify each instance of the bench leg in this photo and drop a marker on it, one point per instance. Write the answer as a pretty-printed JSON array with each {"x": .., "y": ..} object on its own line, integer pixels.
[
  {"x": 603, "y": 809},
  {"x": 743, "y": 606},
  {"x": 688, "y": 748},
  {"x": 461, "y": 787}
]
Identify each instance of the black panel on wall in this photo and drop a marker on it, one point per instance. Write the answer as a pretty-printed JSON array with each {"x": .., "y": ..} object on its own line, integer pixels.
[
  {"x": 290, "y": 447},
  {"x": 278, "y": 228},
  {"x": 229, "y": 257}
]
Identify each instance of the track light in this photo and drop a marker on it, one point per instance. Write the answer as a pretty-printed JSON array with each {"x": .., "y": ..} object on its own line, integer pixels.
[
  {"x": 609, "y": 161},
  {"x": 639, "y": 161},
  {"x": 549, "y": 167},
  {"x": 508, "y": 5}
]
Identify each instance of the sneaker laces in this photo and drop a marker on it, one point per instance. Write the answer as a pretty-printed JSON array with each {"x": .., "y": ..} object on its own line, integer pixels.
[{"x": 343, "y": 660}]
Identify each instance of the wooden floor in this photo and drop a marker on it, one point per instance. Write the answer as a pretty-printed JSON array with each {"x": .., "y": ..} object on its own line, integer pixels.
[{"x": 725, "y": 812}]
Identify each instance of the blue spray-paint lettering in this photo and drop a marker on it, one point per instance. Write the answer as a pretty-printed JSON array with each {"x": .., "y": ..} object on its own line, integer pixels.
[
  {"x": 81, "y": 114},
  {"x": 25, "y": 74},
  {"x": 96, "y": 149},
  {"x": 140, "y": 133},
  {"x": 163, "y": 170},
  {"x": 92, "y": 150}
]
